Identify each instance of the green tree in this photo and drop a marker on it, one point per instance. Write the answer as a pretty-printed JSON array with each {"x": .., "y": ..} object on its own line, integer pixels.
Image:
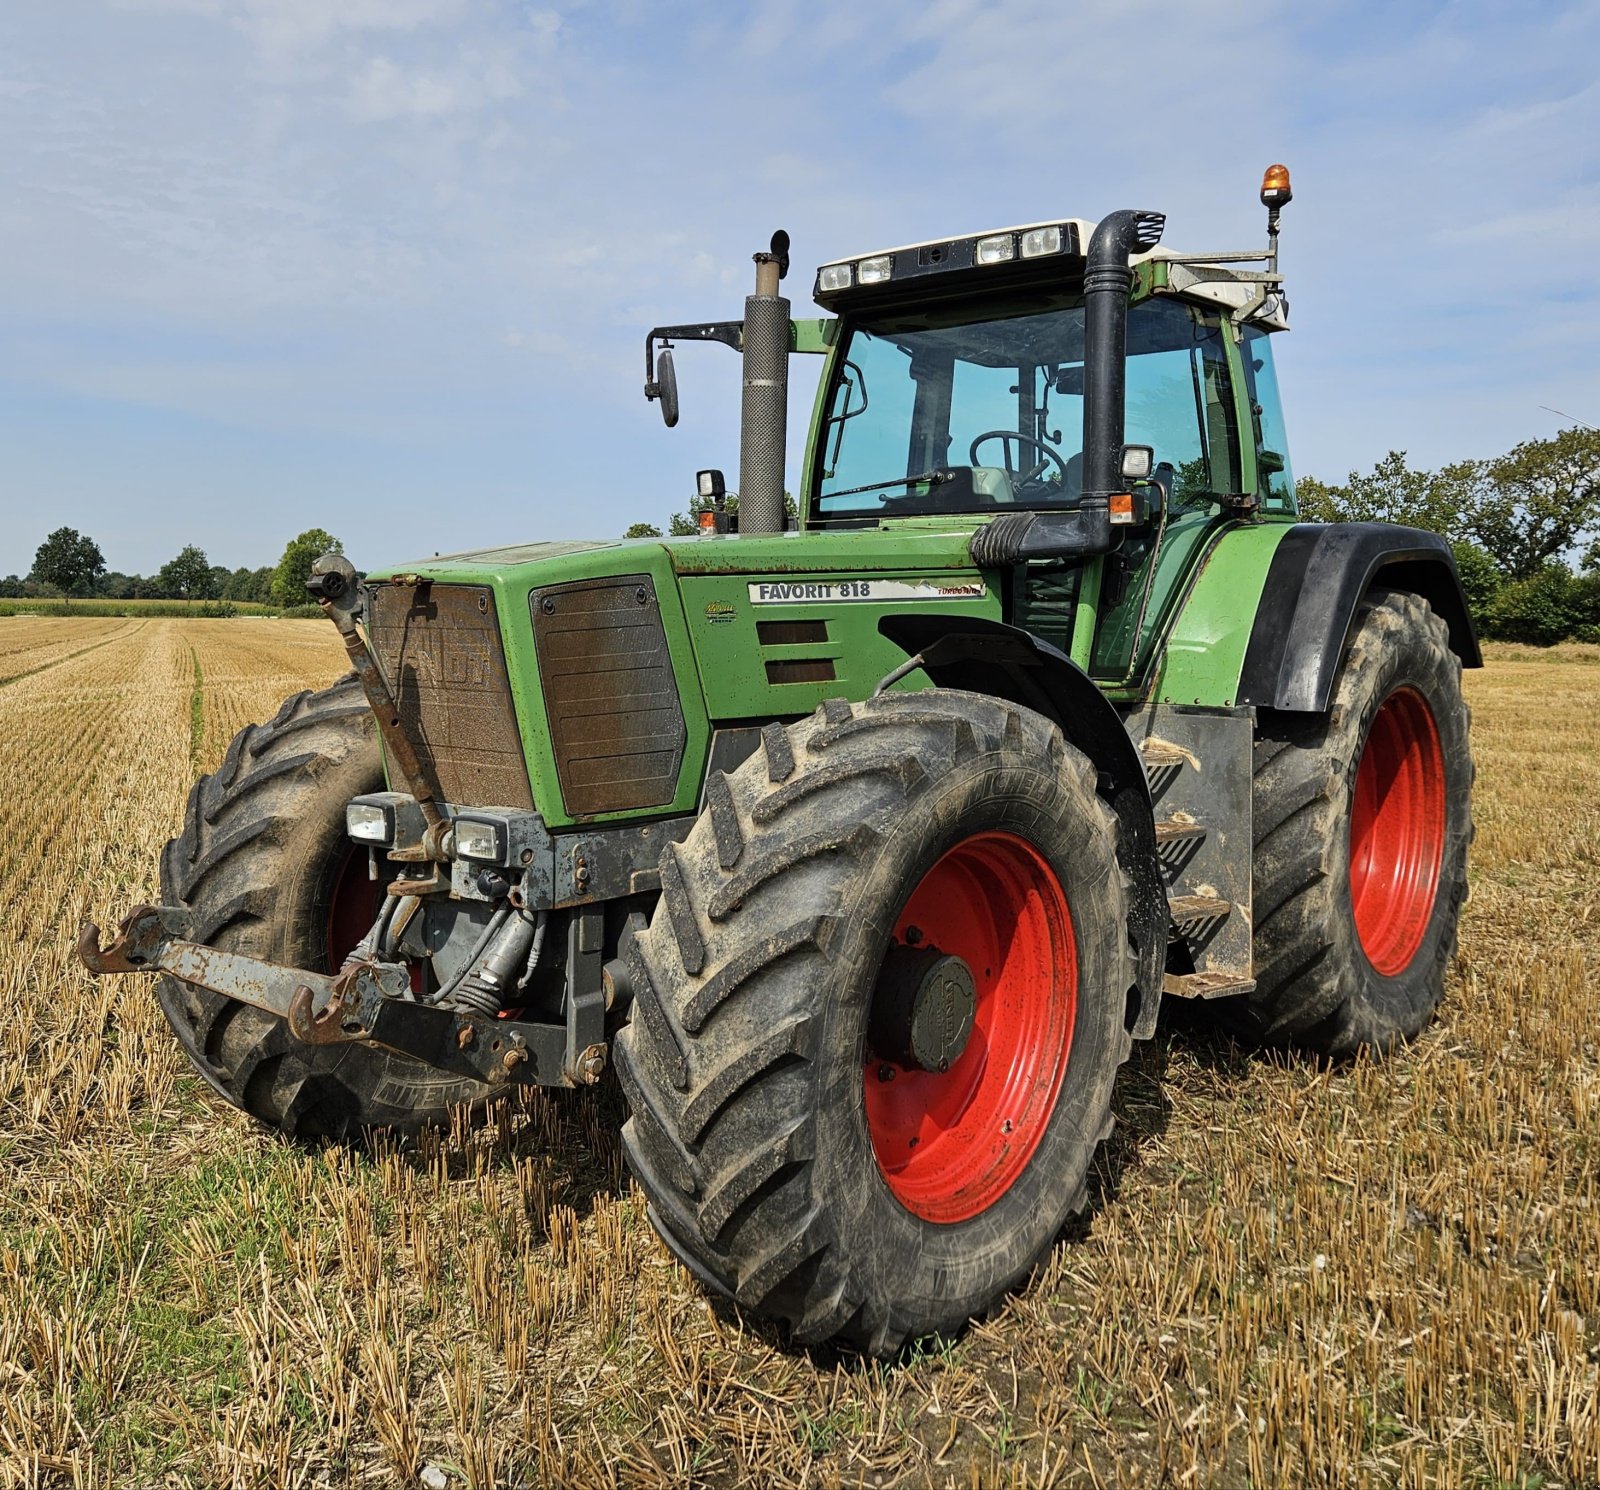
[
  {"x": 294, "y": 568},
  {"x": 1392, "y": 492},
  {"x": 114, "y": 586},
  {"x": 1535, "y": 503},
  {"x": 187, "y": 576},
  {"x": 1480, "y": 581},
  {"x": 1540, "y": 608},
  {"x": 69, "y": 561},
  {"x": 642, "y": 530},
  {"x": 687, "y": 524}
]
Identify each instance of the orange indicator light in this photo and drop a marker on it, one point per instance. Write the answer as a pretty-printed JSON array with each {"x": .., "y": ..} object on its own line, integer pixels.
[{"x": 1275, "y": 187}]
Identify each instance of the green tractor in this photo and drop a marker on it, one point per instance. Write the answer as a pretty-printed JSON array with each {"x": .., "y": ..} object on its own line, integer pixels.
[{"x": 862, "y": 844}]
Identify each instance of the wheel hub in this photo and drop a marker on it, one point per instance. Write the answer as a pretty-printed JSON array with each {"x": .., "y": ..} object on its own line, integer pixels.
[{"x": 923, "y": 1012}]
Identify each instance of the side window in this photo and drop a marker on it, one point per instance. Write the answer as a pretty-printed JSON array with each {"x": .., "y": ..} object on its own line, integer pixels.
[
  {"x": 858, "y": 450},
  {"x": 1276, "y": 480},
  {"x": 1180, "y": 397}
]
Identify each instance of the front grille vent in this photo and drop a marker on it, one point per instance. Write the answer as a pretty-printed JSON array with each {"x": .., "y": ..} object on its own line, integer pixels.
[
  {"x": 610, "y": 697},
  {"x": 439, "y": 648}
]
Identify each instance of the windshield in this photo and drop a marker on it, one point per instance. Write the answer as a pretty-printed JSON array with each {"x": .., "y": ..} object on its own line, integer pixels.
[{"x": 930, "y": 415}]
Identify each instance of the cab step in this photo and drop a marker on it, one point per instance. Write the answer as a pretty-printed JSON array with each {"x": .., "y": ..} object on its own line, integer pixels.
[
  {"x": 1160, "y": 754},
  {"x": 1206, "y": 985},
  {"x": 1196, "y": 910}
]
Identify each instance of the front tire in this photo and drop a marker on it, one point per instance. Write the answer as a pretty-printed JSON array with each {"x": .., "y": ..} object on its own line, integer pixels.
[
  {"x": 265, "y": 869},
  {"x": 1363, "y": 817},
  {"x": 796, "y": 1157}
]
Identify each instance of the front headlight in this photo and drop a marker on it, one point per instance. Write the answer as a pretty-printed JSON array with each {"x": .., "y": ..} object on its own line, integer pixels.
[
  {"x": 481, "y": 840},
  {"x": 370, "y": 822}
]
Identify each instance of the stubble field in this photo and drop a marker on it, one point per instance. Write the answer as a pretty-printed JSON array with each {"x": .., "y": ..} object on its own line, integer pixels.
[{"x": 1381, "y": 1274}]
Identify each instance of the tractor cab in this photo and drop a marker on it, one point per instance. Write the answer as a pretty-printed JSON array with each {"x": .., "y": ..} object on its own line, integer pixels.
[{"x": 1102, "y": 405}]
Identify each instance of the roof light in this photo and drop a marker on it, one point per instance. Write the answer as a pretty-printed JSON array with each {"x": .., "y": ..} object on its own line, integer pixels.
[
  {"x": 835, "y": 277},
  {"x": 1275, "y": 190},
  {"x": 1037, "y": 242},
  {"x": 998, "y": 249},
  {"x": 875, "y": 271}
]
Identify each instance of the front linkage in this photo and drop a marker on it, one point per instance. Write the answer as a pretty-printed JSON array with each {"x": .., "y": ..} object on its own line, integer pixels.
[{"x": 367, "y": 1000}]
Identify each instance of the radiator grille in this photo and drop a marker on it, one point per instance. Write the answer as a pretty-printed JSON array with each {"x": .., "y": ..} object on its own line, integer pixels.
[
  {"x": 439, "y": 647},
  {"x": 609, "y": 694}
]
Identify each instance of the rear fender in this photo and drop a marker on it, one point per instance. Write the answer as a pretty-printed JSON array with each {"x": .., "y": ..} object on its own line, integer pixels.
[
  {"x": 1318, "y": 576},
  {"x": 981, "y": 656}
]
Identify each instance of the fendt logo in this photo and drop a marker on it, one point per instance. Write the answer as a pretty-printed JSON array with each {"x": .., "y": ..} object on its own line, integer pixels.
[{"x": 446, "y": 662}]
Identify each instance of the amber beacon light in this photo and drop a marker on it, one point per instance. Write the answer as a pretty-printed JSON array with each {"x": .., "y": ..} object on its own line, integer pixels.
[{"x": 1275, "y": 190}]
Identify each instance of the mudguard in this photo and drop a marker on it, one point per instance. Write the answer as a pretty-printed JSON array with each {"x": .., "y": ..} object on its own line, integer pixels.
[
  {"x": 1318, "y": 575},
  {"x": 981, "y": 656}
]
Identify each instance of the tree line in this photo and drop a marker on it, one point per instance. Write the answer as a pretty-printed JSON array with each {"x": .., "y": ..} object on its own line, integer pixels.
[
  {"x": 70, "y": 565},
  {"x": 1524, "y": 527}
]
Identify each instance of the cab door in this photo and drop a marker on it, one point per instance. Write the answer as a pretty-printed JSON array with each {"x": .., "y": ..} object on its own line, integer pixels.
[{"x": 1181, "y": 400}]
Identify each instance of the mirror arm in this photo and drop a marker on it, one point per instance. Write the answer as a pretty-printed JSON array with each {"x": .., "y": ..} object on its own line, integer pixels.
[{"x": 729, "y": 333}]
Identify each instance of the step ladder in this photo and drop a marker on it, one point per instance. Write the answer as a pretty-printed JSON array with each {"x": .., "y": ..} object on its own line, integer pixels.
[{"x": 1197, "y": 911}]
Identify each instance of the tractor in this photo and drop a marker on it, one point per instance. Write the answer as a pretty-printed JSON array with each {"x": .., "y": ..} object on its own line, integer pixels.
[{"x": 861, "y": 842}]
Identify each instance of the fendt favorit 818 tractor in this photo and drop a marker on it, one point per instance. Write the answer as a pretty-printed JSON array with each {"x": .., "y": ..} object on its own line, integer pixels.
[{"x": 861, "y": 844}]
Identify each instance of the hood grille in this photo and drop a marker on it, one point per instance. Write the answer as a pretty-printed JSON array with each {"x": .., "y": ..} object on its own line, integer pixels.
[
  {"x": 440, "y": 650},
  {"x": 609, "y": 694}
]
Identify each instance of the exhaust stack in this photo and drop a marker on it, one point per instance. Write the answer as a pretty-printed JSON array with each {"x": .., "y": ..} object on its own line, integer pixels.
[{"x": 764, "y": 411}]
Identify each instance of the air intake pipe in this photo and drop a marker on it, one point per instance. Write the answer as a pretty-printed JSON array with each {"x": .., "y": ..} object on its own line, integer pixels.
[
  {"x": 764, "y": 411},
  {"x": 1086, "y": 529},
  {"x": 1107, "y": 278}
]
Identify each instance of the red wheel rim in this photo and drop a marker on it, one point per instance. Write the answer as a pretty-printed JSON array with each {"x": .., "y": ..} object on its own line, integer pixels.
[
  {"x": 1397, "y": 831},
  {"x": 353, "y": 909},
  {"x": 951, "y": 1143}
]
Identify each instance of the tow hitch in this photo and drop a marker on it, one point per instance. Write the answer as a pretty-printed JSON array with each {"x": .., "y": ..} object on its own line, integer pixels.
[{"x": 367, "y": 1001}]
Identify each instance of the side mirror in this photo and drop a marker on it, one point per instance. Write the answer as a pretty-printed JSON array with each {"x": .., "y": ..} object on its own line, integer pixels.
[
  {"x": 1269, "y": 462},
  {"x": 664, "y": 386}
]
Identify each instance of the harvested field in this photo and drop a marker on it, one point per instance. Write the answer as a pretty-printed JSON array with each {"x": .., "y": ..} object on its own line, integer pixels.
[{"x": 1377, "y": 1275}]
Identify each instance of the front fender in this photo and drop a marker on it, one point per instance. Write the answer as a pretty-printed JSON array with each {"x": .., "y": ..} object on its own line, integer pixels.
[{"x": 1318, "y": 576}]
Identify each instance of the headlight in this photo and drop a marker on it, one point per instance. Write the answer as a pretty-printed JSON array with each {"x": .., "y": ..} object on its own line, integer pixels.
[
  {"x": 999, "y": 249},
  {"x": 369, "y": 822},
  {"x": 480, "y": 840},
  {"x": 875, "y": 271},
  {"x": 834, "y": 277},
  {"x": 1037, "y": 242}
]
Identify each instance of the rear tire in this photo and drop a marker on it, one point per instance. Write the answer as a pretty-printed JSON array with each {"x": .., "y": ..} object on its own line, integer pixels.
[
  {"x": 1362, "y": 821},
  {"x": 264, "y": 867},
  {"x": 776, "y": 1141}
]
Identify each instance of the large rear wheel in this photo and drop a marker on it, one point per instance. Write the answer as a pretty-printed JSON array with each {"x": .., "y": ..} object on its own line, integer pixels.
[
  {"x": 878, "y": 1014},
  {"x": 1362, "y": 821}
]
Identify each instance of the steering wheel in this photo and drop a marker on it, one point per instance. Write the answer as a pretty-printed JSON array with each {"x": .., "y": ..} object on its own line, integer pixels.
[{"x": 1016, "y": 476}]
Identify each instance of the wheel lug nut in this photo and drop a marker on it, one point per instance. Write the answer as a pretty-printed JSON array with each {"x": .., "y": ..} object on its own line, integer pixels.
[{"x": 886, "y": 1073}]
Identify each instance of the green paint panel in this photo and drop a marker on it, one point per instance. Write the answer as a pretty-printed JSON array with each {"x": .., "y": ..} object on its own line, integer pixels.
[
  {"x": 718, "y": 571},
  {"x": 1205, "y": 650},
  {"x": 749, "y": 675}
]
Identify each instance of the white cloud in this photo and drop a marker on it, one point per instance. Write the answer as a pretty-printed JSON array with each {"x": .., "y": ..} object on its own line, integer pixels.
[
  {"x": 287, "y": 28},
  {"x": 384, "y": 89}
]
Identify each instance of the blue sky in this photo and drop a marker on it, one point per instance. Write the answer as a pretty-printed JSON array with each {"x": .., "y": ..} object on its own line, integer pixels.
[{"x": 385, "y": 266}]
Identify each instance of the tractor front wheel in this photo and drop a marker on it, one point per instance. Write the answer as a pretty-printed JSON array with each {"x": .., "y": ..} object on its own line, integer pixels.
[
  {"x": 1362, "y": 821},
  {"x": 878, "y": 1013},
  {"x": 264, "y": 868}
]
